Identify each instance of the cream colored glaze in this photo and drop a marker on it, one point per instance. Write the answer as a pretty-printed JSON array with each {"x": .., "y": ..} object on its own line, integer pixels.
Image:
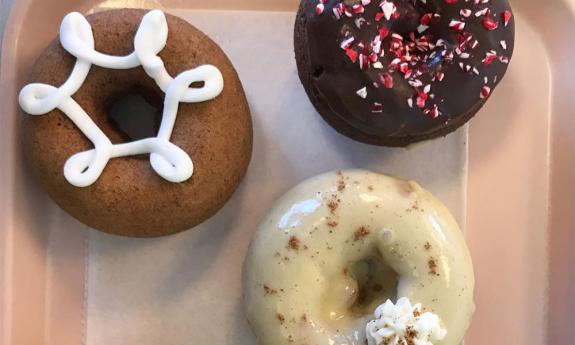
[{"x": 303, "y": 295}]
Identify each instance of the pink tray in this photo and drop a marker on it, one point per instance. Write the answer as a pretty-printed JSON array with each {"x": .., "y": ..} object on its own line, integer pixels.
[{"x": 521, "y": 194}]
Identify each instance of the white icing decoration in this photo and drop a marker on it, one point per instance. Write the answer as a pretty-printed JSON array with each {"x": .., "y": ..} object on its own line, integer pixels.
[
  {"x": 394, "y": 321},
  {"x": 167, "y": 159}
]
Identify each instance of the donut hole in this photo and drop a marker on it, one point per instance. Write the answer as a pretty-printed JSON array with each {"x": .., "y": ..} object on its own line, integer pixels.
[
  {"x": 135, "y": 113},
  {"x": 376, "y": 283}
]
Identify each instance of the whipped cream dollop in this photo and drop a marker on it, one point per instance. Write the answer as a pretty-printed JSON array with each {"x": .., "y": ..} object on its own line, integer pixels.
[{"x": 403, "y": 323}]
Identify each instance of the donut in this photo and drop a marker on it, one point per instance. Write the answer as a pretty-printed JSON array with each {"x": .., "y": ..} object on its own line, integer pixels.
[
  {"x": 351, "y": 256},
  {"x": 135, "y": 123},
  {"x": 396, "y": 72}
]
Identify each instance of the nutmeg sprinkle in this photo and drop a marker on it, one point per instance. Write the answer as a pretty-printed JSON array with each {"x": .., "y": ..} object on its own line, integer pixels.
[
  {"x": 269, "y": 291},
  {"x": 432, "y": 264},
  {"x": 360, "y": 233},
  {"x": 293, "y": 243},
  {"x": 280, "y": 317},
  {"x": 333, "y": 205}
]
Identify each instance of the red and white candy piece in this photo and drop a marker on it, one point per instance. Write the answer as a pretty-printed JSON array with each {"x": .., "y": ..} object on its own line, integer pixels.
[
  {"x": 482, "y": 13},
  {"x": 433, "y": 112},
  {"x": 440, "y": 76},
  {"x": 388, "y": 9},
  {"x": 485, "y": 92},
  {"x": 362, "y": 92},
  {"x": 358, "y": 8},
  {"x": 377, "y": 107},
  {"x": 347, "y": 43},
  {"x": 490, "y": 24},
  {"x": 490, "y": 57},
  {"x": 426, "y": 19},
  {"x": 352, "y": 54},
  {"x": 506, "y": 17},
  {"x": 387, "y": 80},
  {"x": 457, "y": 25}
]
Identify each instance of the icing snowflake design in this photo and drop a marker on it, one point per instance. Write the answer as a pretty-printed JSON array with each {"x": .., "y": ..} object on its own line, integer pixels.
[{"x": 168, "y": 160}]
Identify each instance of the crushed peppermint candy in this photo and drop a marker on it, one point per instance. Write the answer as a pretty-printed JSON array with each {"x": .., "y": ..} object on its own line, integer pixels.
[
  {"x": 388, "y": 9},
  {"x": 377, "y": 107},
  {"x": 417, "y": 57},
  {"x": 386, "y": 80},
  {"x": 490, "y": 24},
  {"x": 506, "y": 17},
  {"x": 485, "y": 91},
  {"x": 457, "y": 25},
  {"x": 362, "y": 92},
  {"x": 490, "y": 56}
]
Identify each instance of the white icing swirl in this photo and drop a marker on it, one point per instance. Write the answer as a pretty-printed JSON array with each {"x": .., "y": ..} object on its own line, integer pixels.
[
  {"x": 167, "y": 159},
  {"x": 403, "y": 323}
]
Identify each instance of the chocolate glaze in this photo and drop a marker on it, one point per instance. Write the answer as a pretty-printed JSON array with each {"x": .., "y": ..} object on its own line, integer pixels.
[{"x": 332, "y": 79}]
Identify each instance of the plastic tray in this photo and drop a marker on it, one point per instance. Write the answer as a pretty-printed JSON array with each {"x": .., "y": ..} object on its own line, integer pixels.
[{"x": 521, "y": 189}]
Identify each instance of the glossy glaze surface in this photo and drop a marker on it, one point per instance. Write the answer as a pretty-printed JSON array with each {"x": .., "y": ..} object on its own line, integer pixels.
[
  {"x": 417, "y": 73},
  {"x": 338, "y": 245}
]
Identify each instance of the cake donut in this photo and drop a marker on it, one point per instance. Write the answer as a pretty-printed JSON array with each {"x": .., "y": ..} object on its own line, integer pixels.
[
  {"x": 136, "y": 123},
  {"x": 395, "y": 72},
  {"x": 355, "y": 256}
]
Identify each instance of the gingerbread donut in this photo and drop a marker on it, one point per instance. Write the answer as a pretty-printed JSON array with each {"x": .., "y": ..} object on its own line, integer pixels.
[
  {"x": 137, "y": 123},
  {"x": 353, "y": 257},
  {"x": 395, "y": 72}
]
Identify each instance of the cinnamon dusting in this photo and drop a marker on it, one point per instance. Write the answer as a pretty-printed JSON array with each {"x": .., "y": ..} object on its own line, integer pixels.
[
  {"x": 432, "y": 264},
  {"x": 360, "y": 233},
  {"x": 293, "y": 243},
  {"x": 340, "y": 182},
  {"x": 332, "y": 205},
  {"x": 281, "y": 318},
  {"x": 410, "y": 335},
  {"x": 269, "y": 291}
]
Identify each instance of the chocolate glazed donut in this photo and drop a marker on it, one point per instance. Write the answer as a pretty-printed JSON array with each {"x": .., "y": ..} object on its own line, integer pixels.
[{"x": 393, "y": 73}]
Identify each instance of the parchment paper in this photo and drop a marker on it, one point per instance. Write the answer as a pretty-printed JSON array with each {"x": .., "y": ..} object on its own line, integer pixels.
[{"x": 186, "y": 289}]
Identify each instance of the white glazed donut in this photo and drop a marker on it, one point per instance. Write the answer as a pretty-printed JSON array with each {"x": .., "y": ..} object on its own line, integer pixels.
[{"x": 339, "y": 245}]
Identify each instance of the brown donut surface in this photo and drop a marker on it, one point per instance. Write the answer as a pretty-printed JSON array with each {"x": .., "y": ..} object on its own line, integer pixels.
[{"x": 129, "y": 198}]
